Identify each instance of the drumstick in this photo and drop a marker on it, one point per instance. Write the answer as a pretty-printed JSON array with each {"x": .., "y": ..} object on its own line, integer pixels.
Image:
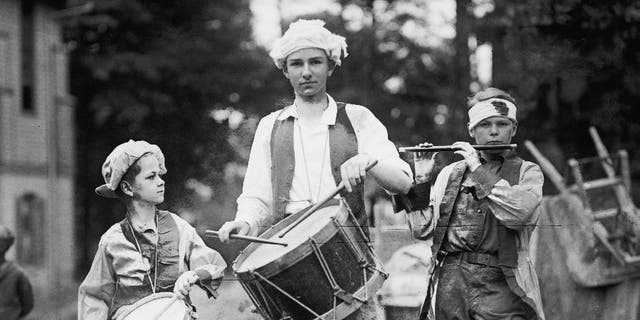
[
  {"x": 322, "y": 201},
  {"x": 212, "y": 233},
  {"x": 454, "y": 148}
]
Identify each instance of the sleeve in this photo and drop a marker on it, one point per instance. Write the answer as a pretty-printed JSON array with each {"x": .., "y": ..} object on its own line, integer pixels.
[
  {"x": 26, "y": 295},
  {"x": 515, "y": 206},
  {"x": 423, "y": 217},
  {"x": 373, "y": 139},
  {"x": 255, "y": 203},
  {"x": 416, "y": 199},
  {"x": 207, "y": 263},
  {"x": 97, "y": 289}
]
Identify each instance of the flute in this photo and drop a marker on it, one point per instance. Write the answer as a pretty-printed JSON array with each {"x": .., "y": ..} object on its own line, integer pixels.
[{"x": 454, "y": 148}]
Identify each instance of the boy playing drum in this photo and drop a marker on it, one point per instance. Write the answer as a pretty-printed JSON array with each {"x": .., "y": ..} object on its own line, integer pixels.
[{"x": 151, "y": 250}]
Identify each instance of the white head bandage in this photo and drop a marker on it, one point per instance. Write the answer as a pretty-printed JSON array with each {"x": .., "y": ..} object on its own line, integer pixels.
[
  {"x": 494, "y": 107},
  {"x": 304, "y": 34}
]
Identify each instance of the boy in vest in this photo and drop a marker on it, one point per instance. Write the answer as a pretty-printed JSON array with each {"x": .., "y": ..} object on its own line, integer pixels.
[
  {"x": 16, "y": 299},
  {"x": 150, "y": 251},
  {"x": 301, "y": 152},
  {"x": 479, "y": 215}
]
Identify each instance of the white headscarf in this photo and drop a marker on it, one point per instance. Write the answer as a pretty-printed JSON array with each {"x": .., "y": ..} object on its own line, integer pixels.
[
  {"x": 494, "y": 107},
  {"x": 304, "y": 34}
]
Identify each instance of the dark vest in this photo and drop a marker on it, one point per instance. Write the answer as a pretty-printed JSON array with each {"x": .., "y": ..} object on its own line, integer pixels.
[
  {"x": 507, "y": 238},
  {"x": 168, "y": 258},
  {"x": 343, "y": 145}
]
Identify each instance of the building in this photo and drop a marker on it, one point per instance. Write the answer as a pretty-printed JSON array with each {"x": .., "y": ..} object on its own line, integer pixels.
[{"x": 36, "y": 149}]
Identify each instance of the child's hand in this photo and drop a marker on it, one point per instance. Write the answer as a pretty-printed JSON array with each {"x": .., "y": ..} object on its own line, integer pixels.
[
  {"x": 423, "y": 163},
  {"x": 469, "y": 153},
  {"x": 184, "y": 283},
  {"x": 240, "y": 228},
  {"x": 354, "y": 170}
]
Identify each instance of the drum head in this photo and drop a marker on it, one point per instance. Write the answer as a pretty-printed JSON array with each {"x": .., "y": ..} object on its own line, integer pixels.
[
  {"x": 259, "y": 255},
  {"x": 158, "y": 306}
]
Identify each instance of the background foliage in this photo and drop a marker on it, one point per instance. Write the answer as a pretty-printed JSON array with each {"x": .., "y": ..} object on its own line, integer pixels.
[{"x": 189, "y": 77}]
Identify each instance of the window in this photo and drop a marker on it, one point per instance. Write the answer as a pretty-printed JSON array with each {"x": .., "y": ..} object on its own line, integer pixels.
[
  {"x": 28, "y": 57},
  {"x": 30, "y": 229},
  {"x": 5, "y": 71}
]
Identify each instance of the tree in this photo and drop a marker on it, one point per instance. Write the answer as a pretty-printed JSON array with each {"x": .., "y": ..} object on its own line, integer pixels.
[
  {"x": 156, "y": 71},
  {"x": 572, "y": 64}
]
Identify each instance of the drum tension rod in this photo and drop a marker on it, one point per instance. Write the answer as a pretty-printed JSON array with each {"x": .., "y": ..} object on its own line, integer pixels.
[
  {"x": 337, "y": 291},
  {"x": 285, "y": 293},
  {"x": 360, "y": 256}
]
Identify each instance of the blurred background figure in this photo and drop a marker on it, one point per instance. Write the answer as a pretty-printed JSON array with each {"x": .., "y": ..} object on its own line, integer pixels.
[
  {"x": 16, "y": 300},
  {"x": 37, "y": 151}
]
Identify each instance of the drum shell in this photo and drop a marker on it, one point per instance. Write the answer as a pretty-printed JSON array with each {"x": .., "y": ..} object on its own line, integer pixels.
[{"x": 300, "y": 274}]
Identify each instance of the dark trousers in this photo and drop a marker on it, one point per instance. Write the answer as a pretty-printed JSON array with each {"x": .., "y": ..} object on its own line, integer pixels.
[{"x": 468, "y": 291}]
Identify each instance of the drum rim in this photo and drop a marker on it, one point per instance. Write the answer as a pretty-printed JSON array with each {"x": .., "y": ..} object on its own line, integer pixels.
[
  {"x": 151, "y": 297},
  {"x": 291, "y": 258}
]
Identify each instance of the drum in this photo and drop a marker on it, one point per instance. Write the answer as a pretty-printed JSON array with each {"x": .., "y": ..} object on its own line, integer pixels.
[
  {"x": 327, "y": 270},
  {"x": 158, "y": 306}
]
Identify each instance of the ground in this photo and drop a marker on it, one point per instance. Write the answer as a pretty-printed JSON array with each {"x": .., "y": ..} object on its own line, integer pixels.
[{"x": 233, "y": 303}]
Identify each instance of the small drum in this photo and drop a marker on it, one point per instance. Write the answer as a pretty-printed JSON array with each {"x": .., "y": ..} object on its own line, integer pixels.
[
  {"x": 327, "y": 271},
  {"x": 158, "y": 306}
]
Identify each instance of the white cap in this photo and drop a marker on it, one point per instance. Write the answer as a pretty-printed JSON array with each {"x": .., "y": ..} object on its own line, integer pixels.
[{"x": 304, "y": 34}]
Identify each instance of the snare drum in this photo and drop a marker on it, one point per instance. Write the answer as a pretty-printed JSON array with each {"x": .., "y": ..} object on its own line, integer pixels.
[
  {"x": 328, "y": 270},
  {"x": 158, "y": 306}
]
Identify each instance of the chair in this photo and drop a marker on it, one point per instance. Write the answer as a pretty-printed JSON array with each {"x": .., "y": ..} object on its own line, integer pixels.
[{"x": 607, "y": 199}]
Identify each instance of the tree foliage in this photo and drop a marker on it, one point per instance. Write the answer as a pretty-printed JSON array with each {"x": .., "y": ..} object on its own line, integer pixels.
[
  {"x": 155, "y": 71},
  {"x": 572, "y": 64}
]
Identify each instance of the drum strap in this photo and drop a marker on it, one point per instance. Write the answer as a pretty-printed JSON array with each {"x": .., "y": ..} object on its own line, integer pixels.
[{"x": 155, "y": 255}]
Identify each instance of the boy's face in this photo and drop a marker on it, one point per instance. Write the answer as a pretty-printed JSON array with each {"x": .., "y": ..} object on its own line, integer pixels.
[
  {"x": 494, "y": 130},
  {"x": 148, "y": 186},
  {"x": 307, "y": 71}
]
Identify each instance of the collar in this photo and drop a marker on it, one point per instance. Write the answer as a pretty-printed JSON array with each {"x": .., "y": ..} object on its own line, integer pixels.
[
  {"x": 328, "y": 116},
  {"x": 145, "y": 228},
  {"x": 507, "y": 155}
]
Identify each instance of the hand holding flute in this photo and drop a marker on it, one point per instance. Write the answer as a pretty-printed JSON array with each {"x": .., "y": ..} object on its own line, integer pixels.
[
  {"x": 424, "y": 162},
  {"x": 424, "y": 155},
  {"x": 470, "y": 154}
]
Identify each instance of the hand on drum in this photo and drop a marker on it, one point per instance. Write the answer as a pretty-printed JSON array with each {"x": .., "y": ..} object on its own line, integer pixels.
[
  {"x": 423, "y": 163},
  {"x": 184, "y": 283},
  {"x": 240, "y": 228},
  {"x": 469, "y": 153},
  {"x": 354, "y": 170}
]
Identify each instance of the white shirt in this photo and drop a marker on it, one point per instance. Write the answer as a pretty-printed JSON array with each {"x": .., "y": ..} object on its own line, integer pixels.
[{"x": 312, "y": 177}]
